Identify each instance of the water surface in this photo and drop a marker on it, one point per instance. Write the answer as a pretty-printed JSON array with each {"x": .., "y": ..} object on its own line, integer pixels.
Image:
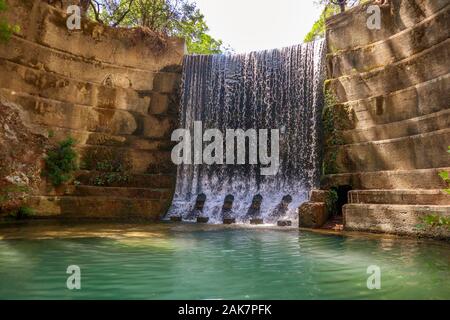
[{"x": 181, "y": 261}]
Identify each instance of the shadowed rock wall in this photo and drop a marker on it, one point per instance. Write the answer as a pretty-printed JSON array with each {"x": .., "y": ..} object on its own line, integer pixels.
[
  {"x": 115, "y": 91},
  {"x": 393, "y": 85}
]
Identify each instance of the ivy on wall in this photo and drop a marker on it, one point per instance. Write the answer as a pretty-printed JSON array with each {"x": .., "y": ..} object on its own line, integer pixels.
[{"x": 335, "y": 118}]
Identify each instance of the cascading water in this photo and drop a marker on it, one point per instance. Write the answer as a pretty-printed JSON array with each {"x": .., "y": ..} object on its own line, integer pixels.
[{"x": 272, "y": 89}]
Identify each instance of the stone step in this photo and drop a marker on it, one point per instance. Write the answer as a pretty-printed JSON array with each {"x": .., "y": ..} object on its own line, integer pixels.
[
  {"x": 52, "y": 113},
  {"x": 396, "y": 179},
  {"x": 91, "y": 139},
  {"x": 114, "y": 179},
  {"x": 407, "y": 197},
  {"x": 423, "y": 151},
  {"x": 105, "y": 158},
  {"x": 120, "y": 192},
  {"x": 428, "y": 123},
  {"x": 397, "y": 17},
  {"x": 126, "y": 48},
  {"x": 76, "y": 67},
  {"x": 408, "y": 42},
  {"x": 424, "y": 66},
  {"x": 90, "y": 207},
  {"x": 39, "y": 83},
  {"x": 395, "y": 219},
  {"x": 416, "y": 101}
]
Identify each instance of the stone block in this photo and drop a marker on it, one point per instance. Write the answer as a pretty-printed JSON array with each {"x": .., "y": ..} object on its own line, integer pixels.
[{"x": 312, "y": 215}]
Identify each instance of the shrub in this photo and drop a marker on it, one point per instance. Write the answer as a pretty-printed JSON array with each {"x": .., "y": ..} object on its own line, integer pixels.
[
  {"x": 434, "y": 220},
  {"x": 6, "y": 30},
  {"x": 61, "y": 162},
  {"x": 331, "y": 201},
  {"x": 23, "y": 212}
]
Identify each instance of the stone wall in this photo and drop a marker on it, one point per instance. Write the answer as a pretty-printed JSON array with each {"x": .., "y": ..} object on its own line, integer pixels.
[
  {"x": 393, "y": 86},
  {"x": 115, "y": 91}
]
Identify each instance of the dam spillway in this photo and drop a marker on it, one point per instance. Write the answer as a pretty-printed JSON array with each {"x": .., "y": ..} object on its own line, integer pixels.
[{"x": 279, "y": 89}]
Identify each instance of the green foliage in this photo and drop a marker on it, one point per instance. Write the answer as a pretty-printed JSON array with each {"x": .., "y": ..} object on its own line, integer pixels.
[
  {"x": 335, "y": 118},
  {"x": 110, "y": 178},
  {"x": 61, "y": 162},
  {"x": 435, "y": 220},
  {"x": 318, "y": 29},
  {"x": 446, "y": 177},
  {"x": 5, "y": 28},
  {"x": 179, "y": 18},
  {"x": 23, "y": 212},
  {"x": 331, "y": 201},
  {"x": 331, "y": 7}
]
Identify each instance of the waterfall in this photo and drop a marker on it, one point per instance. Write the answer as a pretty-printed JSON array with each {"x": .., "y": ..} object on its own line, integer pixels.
[{"x": 272, "y": 89}]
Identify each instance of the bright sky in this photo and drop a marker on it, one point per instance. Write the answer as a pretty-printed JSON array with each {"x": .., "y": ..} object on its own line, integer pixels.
[{"x": 249, "y": 25}]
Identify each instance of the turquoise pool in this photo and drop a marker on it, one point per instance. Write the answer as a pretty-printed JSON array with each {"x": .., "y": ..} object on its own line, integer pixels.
[{"x": 183, "y": 261}]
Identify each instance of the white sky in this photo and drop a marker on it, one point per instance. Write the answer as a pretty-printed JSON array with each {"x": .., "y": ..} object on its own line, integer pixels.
[{"x": 249, "y": 25}]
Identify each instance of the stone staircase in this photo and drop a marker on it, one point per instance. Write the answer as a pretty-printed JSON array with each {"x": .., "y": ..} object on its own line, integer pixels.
[
  {"x": 392, "y": 85},
  {"x": 117, "y": 97}
]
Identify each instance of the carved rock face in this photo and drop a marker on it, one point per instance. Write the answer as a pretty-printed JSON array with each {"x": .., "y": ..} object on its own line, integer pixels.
[{"x": 21, "y": 153}]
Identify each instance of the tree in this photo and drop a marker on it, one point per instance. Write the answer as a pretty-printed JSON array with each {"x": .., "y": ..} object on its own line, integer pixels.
[
  {"x": 331, "y": 7},
  {"x": 168, "y": 17},
  {"x": 318, "y": 29}
]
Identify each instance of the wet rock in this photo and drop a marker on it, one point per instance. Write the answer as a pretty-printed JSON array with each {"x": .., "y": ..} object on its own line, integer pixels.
[
  {"x": 284, "y": 223},
  {"x": 229, "y": 220},
  {"x": 202, "y": 219},
  {"x": 256, "y": 221}
]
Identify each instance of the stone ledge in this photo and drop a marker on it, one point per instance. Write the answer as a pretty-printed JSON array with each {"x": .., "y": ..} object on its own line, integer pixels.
[
  {"x": 140, "y": 193},
  {"x": 395, "y": 219},
  {"x": 406, "y": 153},
  {"x": 18, "y": 78},
  {"x": 159, "y": 181},
  {"x": 399, "y": 16},
  {"x": 46, "y": 25},
  {"x": 33, "y": 55},
  {"x": 425, "y": 124},
  {"x": 424, "y": 66},
  {"x": 416, "y": 101},
  {"x": 396, "y": 179},
  {"x": 70, "y": 207},
  {"x": 140, "y": 161},
  {"x": 421, "y": 36},
  {"x": 411, "y": 197},
  {"x": 93, "y": 139}
]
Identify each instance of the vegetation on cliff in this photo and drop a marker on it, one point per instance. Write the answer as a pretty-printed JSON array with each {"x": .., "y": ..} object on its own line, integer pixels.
[
  {"x": 436, "y": 220},
  {"x": 60, "y": 162},
  {"x": 331, "y": 7},
  {"x": 5, "y": 28},
  {"x": 179, "y": 18}
]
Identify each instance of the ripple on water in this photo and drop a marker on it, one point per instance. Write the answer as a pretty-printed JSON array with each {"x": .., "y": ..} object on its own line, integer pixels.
[{"x": 191, "y": 262}]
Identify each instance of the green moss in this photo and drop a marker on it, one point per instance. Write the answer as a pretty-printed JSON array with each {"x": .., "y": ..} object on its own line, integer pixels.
[
  {"x": 331, "y": 201},
  {"x": 6, "y": 30}
]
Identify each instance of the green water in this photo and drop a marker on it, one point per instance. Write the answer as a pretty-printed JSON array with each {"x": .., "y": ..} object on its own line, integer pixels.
[{"x": 170, "y": 261}]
